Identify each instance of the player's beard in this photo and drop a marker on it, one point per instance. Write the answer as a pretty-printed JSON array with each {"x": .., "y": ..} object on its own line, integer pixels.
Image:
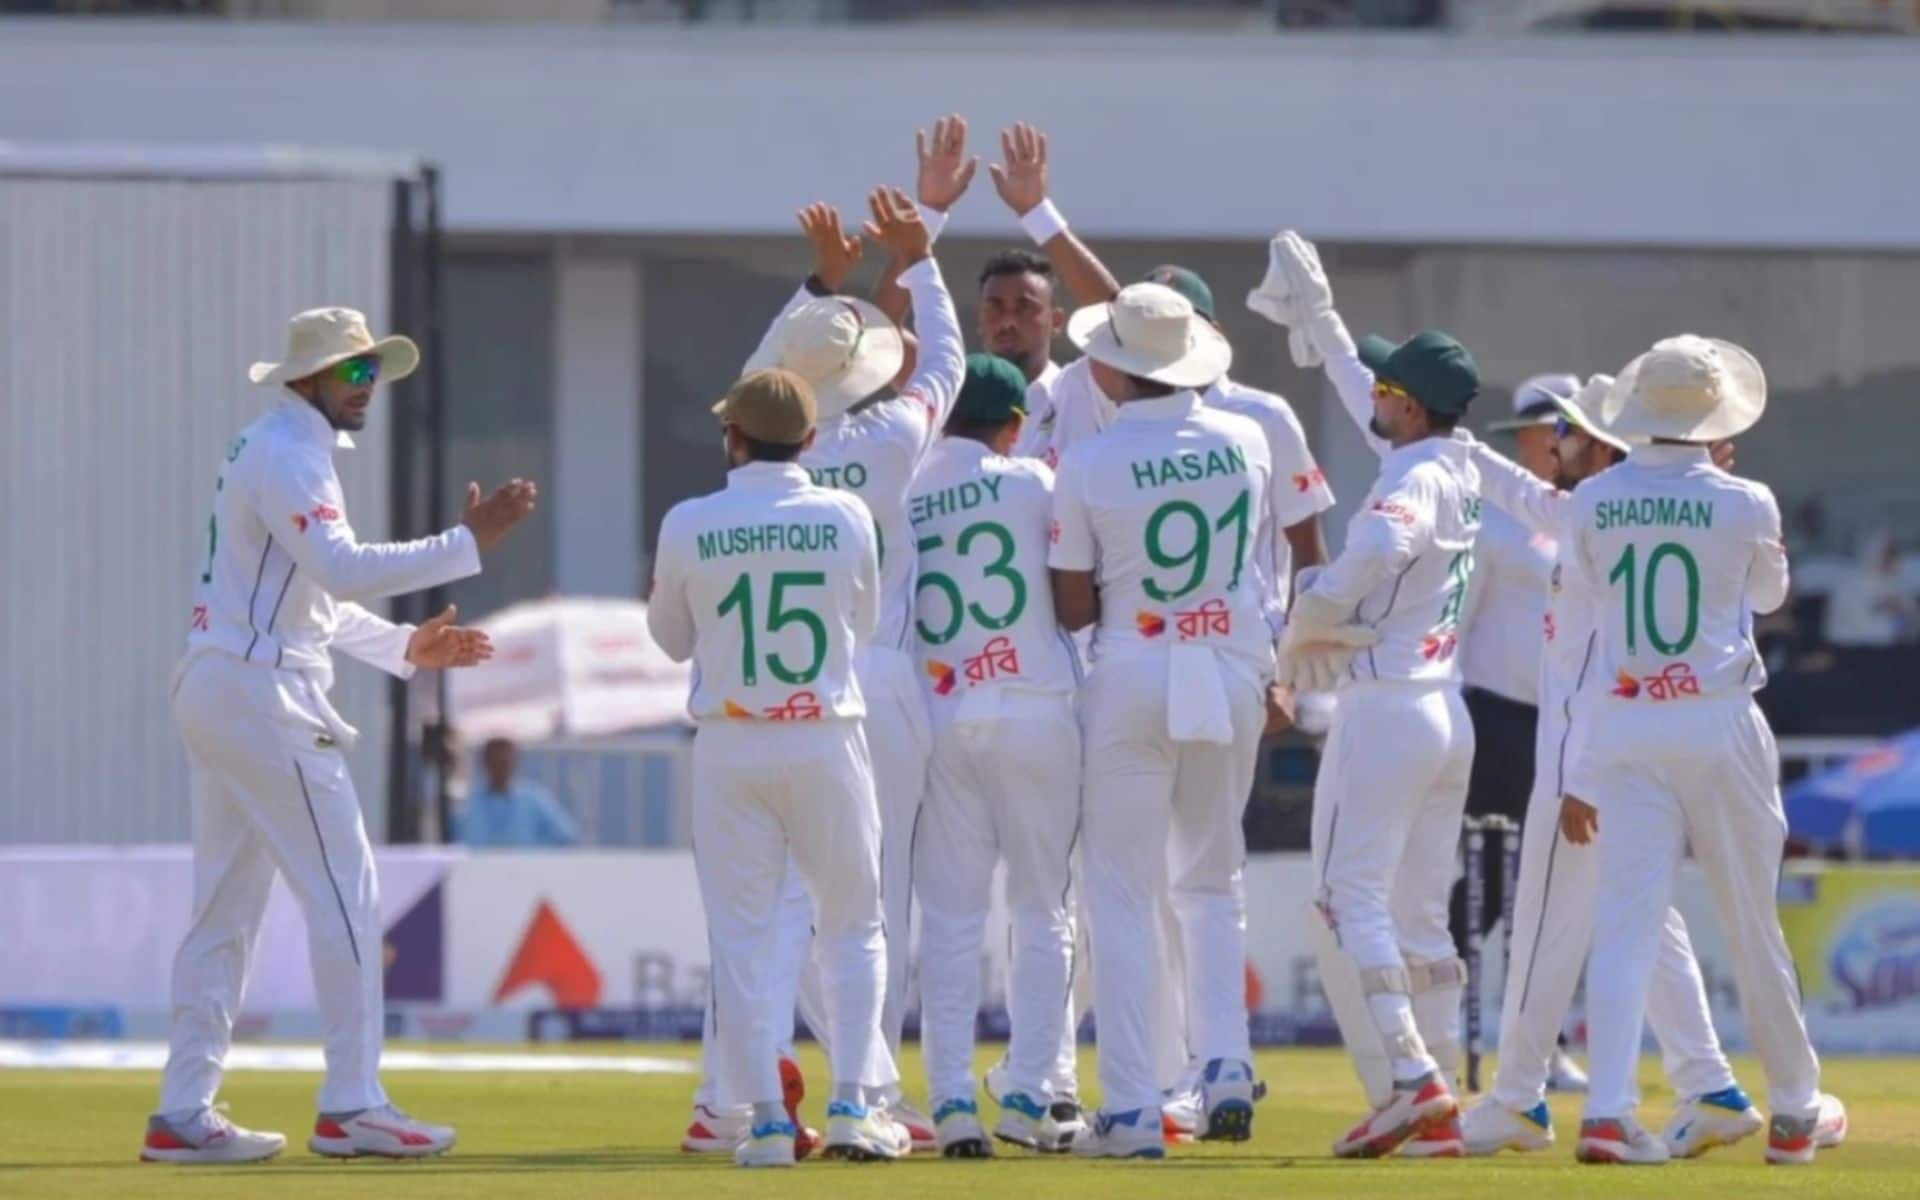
[{"x": 1374, "y": 427}]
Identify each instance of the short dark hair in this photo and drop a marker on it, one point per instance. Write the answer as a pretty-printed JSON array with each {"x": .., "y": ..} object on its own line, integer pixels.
[
  {"x": 779, "y": 452},
  {"x": 1150, "y": 389},
  {"x": 1440, "y": 422},
  {"x": 979, "y": 431},
  {"x": 1017, "y": 262}
]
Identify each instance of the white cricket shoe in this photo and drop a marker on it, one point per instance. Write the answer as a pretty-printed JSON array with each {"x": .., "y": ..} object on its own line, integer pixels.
[
  {"x": 711, "y": 1131},
  {"x": 956, "y": 1123},
  {"x": 1131, "y": 1134},
  {"x": 383, "y": 1132},
  {"x": 1490, "y": 1127},
  {"x": 1025, "y": 1122},
  {"x": 1791, "y": 1141},
  {"x": 207, "y": 1137},
  {"x": 1716, "y": 1119},
  {"x": 1180, "y": 1113},
  {"x": 1416, "y": 1104},
  {"x": 1564, "y": 1074},
  {"x": 1226, "y": 1098},
  {"x": 863, "y": 1133},
  {"x": 1619, "y": 1140},
  {"x": 918, "y": 1125},
  {"x": 769, "y": 1145}
]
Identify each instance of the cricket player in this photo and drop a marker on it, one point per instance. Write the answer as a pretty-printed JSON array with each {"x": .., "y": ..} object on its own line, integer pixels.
[
  {"x": 772, "y": 586},
  {"x": 1075, "y": 408},
  {"x": 1155, "y": 523},
  {"x": 1386, "y": 824},
  {"x": 283, "y": 585},
  {"x": 1500, "y": 662},
  {"x": 871, "y": 445},
  {"x": 1005, "y": 779},
  {"x": 1553, "y": 908},
  {"x": 1676, "y": 556}
]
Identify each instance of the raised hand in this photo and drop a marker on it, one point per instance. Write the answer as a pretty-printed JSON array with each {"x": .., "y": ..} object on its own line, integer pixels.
[
  {"x": 440, "y": 644},
  {"x": 1022, "y": 179},
  {"x": 834, "y": 253},
  {"x": 945, "y": 168},
  {"x": 493, "y": 518},
  {"x": 896, "y": 225}
]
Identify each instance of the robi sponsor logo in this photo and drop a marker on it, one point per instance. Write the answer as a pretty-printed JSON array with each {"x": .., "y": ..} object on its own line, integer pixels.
[{"x": 1875, "y": 957}]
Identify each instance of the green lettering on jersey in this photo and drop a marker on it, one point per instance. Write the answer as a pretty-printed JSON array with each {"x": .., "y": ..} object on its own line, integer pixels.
[
  {"x": 761, "y": 539},
  {"x": 1648, "y": 511},
  {"x": 1189, "y": 466}
]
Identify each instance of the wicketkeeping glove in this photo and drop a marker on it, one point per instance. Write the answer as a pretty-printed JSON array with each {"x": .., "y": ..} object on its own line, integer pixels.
[{"x": 1294, "y": 292}]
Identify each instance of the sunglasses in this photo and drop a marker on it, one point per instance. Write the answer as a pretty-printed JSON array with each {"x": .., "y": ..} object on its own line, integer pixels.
[
  {"x": 359, "y": 372},
  {"x": 1564, "y": 429},
  {"x": 1383, "y": 388}
]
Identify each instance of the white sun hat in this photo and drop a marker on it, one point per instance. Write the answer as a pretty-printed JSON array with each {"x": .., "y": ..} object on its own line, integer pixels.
[
  {"x": 1582, "y": 411},
  {"x": 321, "y": 337},
  {"x": 1152, "y": 331},
  {"x": 1533, "y": 401},
  {"x": 1688, "y": 388},
  {"x": 845, "y": 347}
]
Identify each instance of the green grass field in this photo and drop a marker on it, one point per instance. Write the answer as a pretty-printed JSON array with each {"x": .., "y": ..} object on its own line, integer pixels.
[{"x": 77, "y": 1134}]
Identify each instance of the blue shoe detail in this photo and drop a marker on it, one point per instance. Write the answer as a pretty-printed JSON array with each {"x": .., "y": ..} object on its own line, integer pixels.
[
  {"x": 1149, "y": 1152},
  {"x": 1133, "y": 1117},
  {"x": 1023, "y": 1104},
  {"x": 1228, "y": 1070},
  {"x": 955, "y": 1108},
  {"x": 845, "y": 1108},
  {"x": 773, "y": 1129},
  {"x": 1539, "y": 1116},
  {"x": 1732, "y": 1099}
]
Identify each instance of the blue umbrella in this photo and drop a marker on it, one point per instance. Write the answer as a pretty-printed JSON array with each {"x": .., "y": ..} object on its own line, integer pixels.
[{"x": 1869, "y": 804}]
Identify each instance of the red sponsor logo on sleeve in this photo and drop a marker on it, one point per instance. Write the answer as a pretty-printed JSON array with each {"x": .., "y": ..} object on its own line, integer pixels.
[
  {"x": 200, "y": 616},
  {"x": 1053, "y": 532},
  {"x": 1306, "y": 480},
  {"x": 325, "y": 512},
  {"x": 1394, "y": 509},
  {"x": 300, "y": 522}
]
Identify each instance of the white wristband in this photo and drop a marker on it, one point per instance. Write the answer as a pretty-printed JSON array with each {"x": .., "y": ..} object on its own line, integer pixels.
[
  {"x": 933, "y": 219},
  {"x": 1043, "y": 222}
]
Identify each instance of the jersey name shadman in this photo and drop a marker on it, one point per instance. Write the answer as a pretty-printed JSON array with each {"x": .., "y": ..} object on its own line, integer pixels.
[{"x": 1653, "y": 510}]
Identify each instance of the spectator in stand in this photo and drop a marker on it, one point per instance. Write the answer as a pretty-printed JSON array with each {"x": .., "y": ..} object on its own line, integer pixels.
[{"x": 508, "y": 811}]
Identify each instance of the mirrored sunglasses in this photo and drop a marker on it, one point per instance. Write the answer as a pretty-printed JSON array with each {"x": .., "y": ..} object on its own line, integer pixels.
[{"x": 358, "y": 371}]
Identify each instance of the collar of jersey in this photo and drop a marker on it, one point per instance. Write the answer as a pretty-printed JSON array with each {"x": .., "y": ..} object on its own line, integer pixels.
[
  {"x": 1669, "y": 455},
  {"x": 1457, "y": 448},
  {"x": 311, "y": 426},
  {"x": 766, "y": 474},
  {"x": 1160, "y": 408},
  {"x": 964, "y": 448}
]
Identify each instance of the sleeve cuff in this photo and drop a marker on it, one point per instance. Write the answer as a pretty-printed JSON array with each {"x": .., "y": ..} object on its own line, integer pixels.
[
  {"x": 933, "y": 219},
  {"x": 466, "y": 551},
  {"x": 400, "y": 668},
  {"x": 924, "y": 273}
]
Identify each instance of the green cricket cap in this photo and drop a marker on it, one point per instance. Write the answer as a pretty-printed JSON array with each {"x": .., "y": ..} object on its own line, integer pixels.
[
  {"x": 1188, "y": 284},
  {"x": 1432, "y": 366},
  {"x": 992, "y": 390}
]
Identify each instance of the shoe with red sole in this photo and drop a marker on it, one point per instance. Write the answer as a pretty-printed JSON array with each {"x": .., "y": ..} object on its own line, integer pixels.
[
  {"x": 793, "y": 1089},
  {"x": 1619, "y": 1141},
  {"x": 1436, "y": 1141},
  {"x": 919, "y": 1128},
  {"x": 206, "y": 1137},
  {"x": 383, "y": 1132},
  {"x": 1792, "y": 1141},
  {"x": 711, "y": 1131},
  {"x": 1416, "y": 1104}
]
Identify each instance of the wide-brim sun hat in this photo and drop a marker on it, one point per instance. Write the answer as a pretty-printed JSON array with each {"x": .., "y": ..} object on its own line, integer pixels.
[
  {"x": 1689, "y": 389},
  {"x": 323, "y": 337},
  {"x": 845, "y": 347},
  {"x": 1152, "y": 331},
  {"x": 1582, "y": 411},
  {"x": 1534, "y": 401}
]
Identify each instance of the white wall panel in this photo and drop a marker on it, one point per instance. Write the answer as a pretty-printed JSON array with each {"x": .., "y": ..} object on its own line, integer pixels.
[{"x": 129, "y": 310}]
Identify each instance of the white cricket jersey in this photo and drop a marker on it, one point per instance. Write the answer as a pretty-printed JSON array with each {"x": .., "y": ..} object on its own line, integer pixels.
[
  {"x": 1562, "y": 635},
  {"x": 1406, "y": 563},
  {"x": 1299, "y": 489},
  {"x": 1166, "y": 508},
  {"x": 984, "y": 609},
  {"x": 284, "y": 570},
  {"x": 770, "y": 585},
  {"x": 1500, "y": 648},
  {"x": 1676, "y": 555},
  {"x": 1071, "y": 409},
  {"x": 873, "y": 451}
]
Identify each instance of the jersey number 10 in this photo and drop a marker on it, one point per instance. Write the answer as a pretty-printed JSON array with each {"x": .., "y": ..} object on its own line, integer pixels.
[{"x": 1640, "y": 601}]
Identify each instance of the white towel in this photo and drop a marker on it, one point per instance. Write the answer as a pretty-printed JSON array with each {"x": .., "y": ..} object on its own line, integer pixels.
[{"x": 1197, "y": 708}]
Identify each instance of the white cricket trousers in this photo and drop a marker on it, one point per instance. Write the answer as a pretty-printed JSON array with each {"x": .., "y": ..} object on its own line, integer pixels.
[
  {"x": 1387, "y": 807},
  {"x": 1553, "y": 931},
  {"x": 1003, "y": 784},
  {"x": 1699, "y": 773},
  {"x": 1162, "y": 818},
  {"x": 762, "y": 792},
  {"x": 271, "y": 794}
]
